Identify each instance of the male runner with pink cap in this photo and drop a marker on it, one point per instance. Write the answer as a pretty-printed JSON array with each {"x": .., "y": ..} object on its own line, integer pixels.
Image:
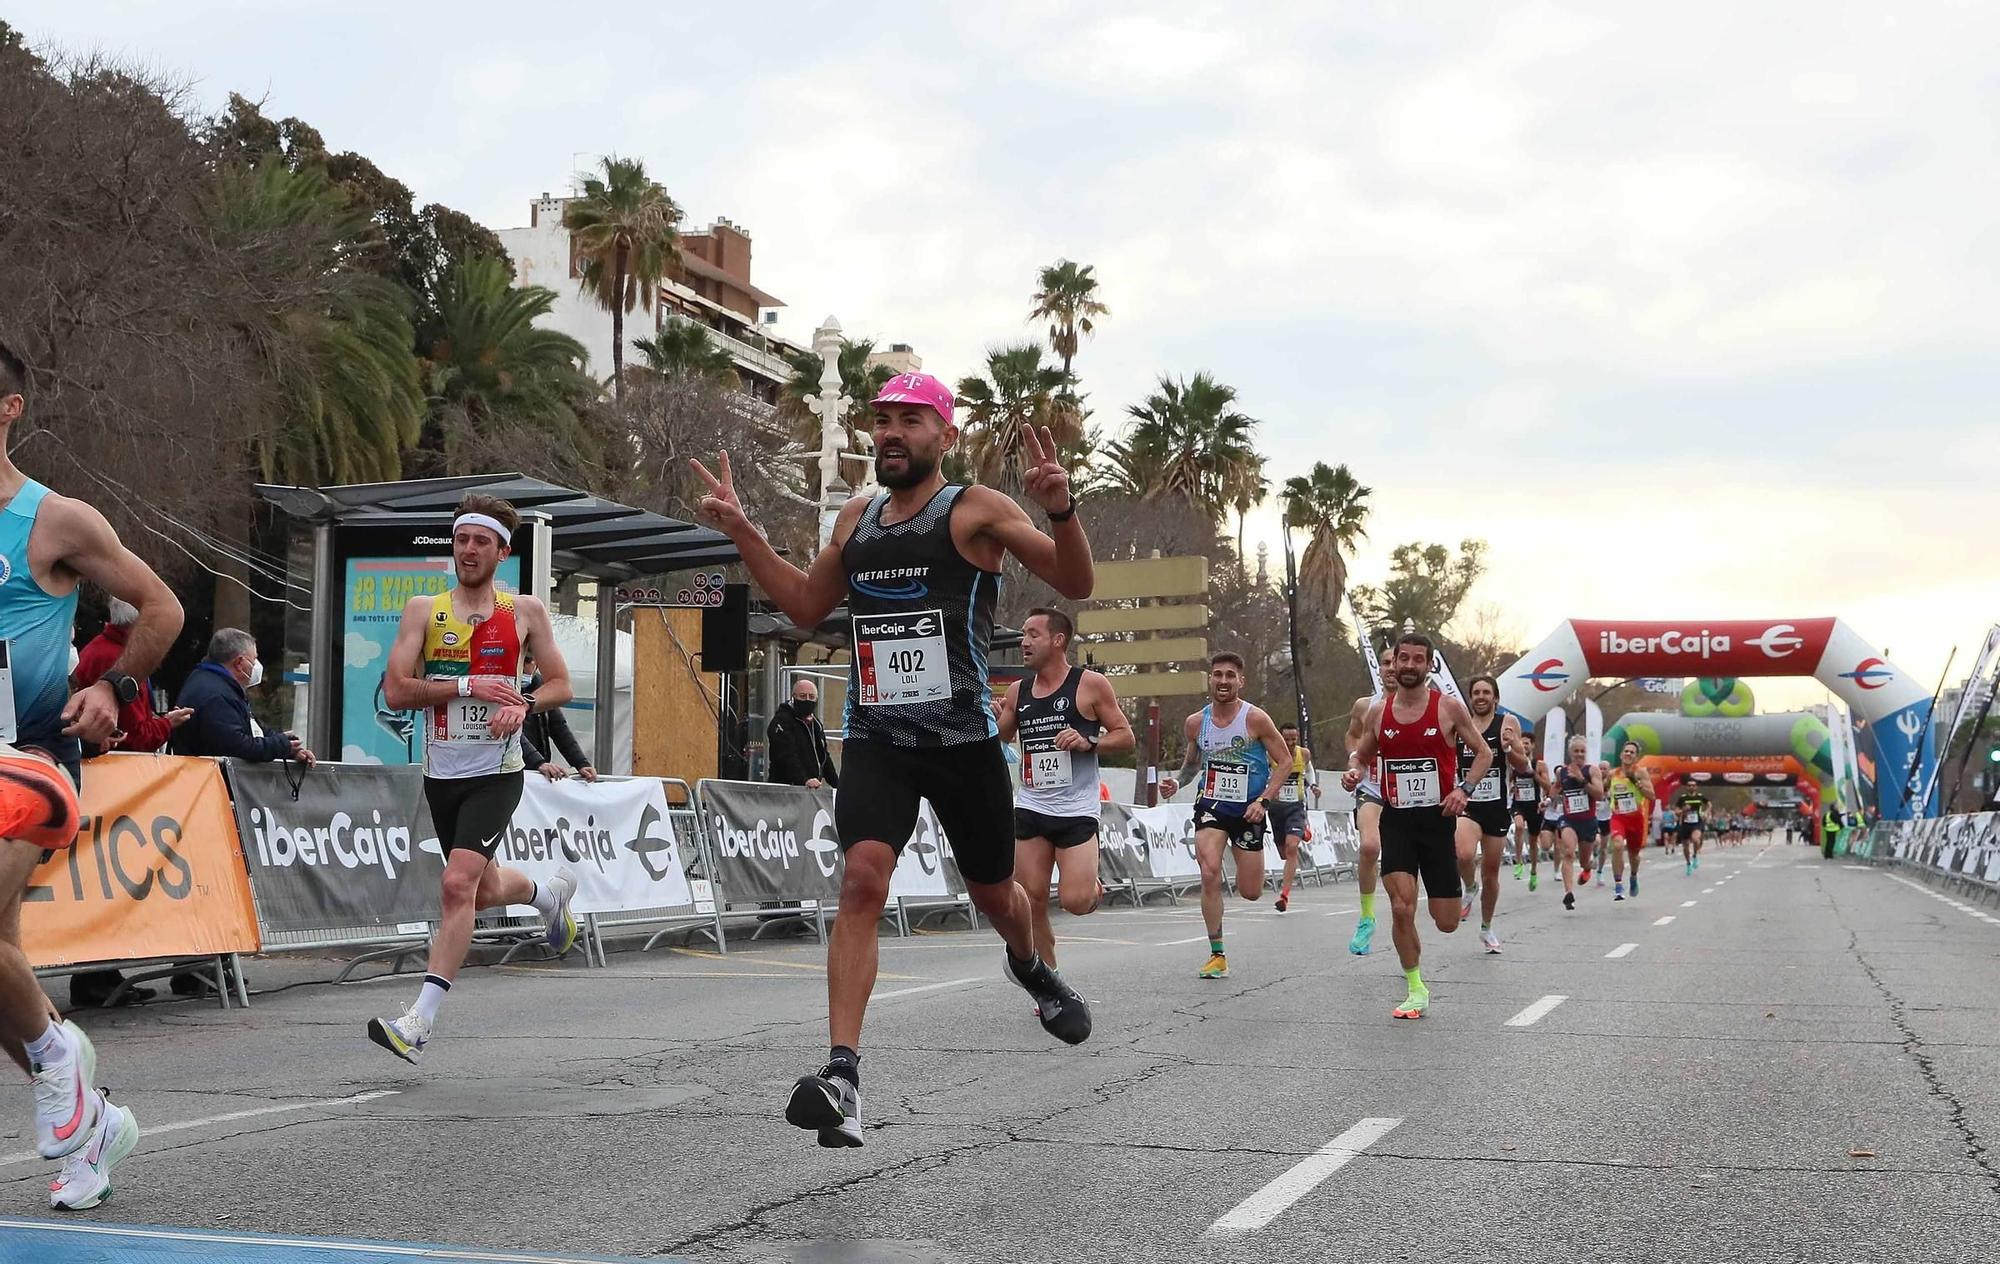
[{"x": 918, "y": 566}]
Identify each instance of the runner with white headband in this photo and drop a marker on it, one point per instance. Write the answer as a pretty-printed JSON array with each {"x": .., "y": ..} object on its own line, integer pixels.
[{"x": 457, "y": 658}]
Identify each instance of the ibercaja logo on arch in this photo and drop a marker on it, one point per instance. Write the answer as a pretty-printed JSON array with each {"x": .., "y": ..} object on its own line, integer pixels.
[{"x": 1744, "y": 647}]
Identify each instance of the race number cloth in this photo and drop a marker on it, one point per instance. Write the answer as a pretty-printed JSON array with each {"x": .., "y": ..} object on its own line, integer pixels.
[
  {"x": 155, "y": 872},
  {"x": 901, "y": 659}
]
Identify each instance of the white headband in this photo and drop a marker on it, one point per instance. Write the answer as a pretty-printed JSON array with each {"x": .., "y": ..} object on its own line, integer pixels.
[{"x": 483, "y": 520}]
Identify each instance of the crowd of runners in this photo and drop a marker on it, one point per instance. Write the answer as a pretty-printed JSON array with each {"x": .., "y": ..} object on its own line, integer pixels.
[{"x": 1448, "y": 793}]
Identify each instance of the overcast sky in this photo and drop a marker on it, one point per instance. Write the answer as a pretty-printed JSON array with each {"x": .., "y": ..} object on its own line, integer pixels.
[{"x": 1707, "y": 285}]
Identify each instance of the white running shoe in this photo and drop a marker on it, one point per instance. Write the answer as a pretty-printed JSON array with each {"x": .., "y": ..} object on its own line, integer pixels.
[
  {"x": 562, "y": 923},
  {"x": 85, "y": 1180},
  {"x": 67, "y": 1107},
  {"x": 1491, "y": 940},
  {"x": 405, "y": 1037},
  {"x": 1465, "y": 907}
]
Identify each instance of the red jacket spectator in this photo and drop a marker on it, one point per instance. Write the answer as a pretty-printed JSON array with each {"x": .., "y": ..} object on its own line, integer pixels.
[{"x": 143, "y": 731}]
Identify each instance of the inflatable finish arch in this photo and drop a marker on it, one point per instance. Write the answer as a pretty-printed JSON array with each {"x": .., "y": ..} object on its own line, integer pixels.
[{"x": 1896, "y": 707}]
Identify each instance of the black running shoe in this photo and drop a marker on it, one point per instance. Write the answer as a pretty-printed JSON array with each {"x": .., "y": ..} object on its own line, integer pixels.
[
  {"x": 828, "y": 1104},
  {"x": 1063, "y": 1012},
  {"x": 1569, "y": 899}
]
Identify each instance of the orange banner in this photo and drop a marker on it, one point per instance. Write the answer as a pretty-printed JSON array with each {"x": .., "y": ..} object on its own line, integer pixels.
[{"x": 157, "y": 870}]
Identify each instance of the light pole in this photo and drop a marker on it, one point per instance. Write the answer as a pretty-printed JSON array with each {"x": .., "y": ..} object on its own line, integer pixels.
[{"x": 828, "y": 406}]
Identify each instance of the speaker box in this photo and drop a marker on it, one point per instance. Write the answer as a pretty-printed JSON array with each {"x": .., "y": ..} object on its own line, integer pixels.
[{"x": 725, "y": 631}]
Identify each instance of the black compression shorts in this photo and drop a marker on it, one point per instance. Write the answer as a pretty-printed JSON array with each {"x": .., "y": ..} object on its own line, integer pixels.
[
  {"x": 1061, "y": 831},
  {"x": 1586, "y": 827},
  {"x": 472, "y": 813},
  {"x": 1244, "y": 833},
  {"x": 1288, "y": 820},
  {"x": 1423, "y": 841},
  {"x": 967, "y": 784},
  {"x": 1492, "y": 816}
]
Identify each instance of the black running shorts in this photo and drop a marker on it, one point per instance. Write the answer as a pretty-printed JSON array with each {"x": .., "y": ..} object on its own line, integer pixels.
[
  {"x": 968, "y": 788},
  {"x": 1492, "y": 816},
  {"x": 1244, "y": 833},
  {"x": 1685, "y": 832},
  {"x": 1530, "y": 815},
  {"x": 473, "y": 813},
  {"x": 1288, "y": 820},
  {"x": 1061, "y": 831},
  {"x": 1585, "y": 827},
  {"x": 1423, "y": 841}
]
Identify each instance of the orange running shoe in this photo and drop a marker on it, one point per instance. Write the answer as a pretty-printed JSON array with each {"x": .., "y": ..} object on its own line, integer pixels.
[{"x": 37, "y": 801}]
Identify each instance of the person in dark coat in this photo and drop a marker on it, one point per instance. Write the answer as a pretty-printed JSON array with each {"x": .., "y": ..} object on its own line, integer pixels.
[
  {"x": 545, "y": 732},
  {"x": 216, "y": 693},
  {"x": 797, "y": 742}
]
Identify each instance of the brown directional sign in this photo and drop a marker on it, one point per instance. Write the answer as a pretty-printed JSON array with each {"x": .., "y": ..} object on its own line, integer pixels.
[
  {"x": 1176, "y": 649},
  {"x": 1142, "y": 619},
  {"x": 1151, "y": 577},
  {"x": 1160, "y": 684}
]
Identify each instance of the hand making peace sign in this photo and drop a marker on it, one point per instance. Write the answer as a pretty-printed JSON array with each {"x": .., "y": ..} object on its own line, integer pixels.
[
  {"x": 720, "y": 508},
  {"x": 1046, "y": 481}
]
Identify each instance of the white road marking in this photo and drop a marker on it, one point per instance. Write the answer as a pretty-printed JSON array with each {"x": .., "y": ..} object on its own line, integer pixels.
[
  {"x": 155, "y": 1130},
  {"x": 1942, "y": 898},
  {"x": 1623, "y": 950},
  {"x": 1665, "y": 920},
  {"x": 1863, "y": 868},
  {"x": 928, "y": 987},
  {"x": 376, "y": 1249},
  {"x": 1708, "y": 890},
  {"x": 1689, "y": 903},
  {"x": 1175, "y": 943},
  {"x": 1264, "y": 1206},
  {"x": 1537, "y": 1012}
]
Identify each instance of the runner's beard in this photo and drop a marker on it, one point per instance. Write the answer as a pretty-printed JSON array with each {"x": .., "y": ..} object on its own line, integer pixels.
[
  {"x": 472, "y": 575},
  {"x": 915, "y": 470},
  {"x": 1409, "y": 679}
]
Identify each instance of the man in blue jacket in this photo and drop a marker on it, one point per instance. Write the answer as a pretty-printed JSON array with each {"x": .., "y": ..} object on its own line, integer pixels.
[{"x": 216, "y": 692}]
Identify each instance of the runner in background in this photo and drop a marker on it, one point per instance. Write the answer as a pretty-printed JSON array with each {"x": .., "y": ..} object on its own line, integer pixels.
[
  {"x": 1288, "y": 818},
  {"x": 1234, "y": 747},
  {"x": 1528, "y": 792},
  {"x": 1691, "y": 806},
  {"x": 1367, "y": 812},
  {"x": 1630, "y": 790},
  {"x": 1601, "y": 846},
  {"x": 1482, "y": 830},
  {"x": 1066, "y": 716},
  {"x": 1578, "y": 790}
]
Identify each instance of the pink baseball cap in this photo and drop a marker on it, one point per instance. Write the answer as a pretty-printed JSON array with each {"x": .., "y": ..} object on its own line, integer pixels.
[{"x": 917, "y": 388}]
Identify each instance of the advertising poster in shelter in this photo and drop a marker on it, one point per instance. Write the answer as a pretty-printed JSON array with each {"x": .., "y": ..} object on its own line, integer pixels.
[{"x": 374, "y": 590}]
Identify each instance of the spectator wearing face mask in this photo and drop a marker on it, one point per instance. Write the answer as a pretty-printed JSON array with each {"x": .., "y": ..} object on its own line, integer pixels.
[
  {"x": 797, "y": 742},
  {"x": 216, "y": 693}
]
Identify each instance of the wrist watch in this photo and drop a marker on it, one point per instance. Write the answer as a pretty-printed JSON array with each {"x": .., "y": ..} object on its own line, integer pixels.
[
  {"x": 465, "y": 686},
  {"x": 1066, "y": 514},
  {"x": 124, "y": 687}
]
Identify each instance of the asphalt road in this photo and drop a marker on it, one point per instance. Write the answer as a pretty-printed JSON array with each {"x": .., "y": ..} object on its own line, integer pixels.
[{"x": 1804, "y": 1064}]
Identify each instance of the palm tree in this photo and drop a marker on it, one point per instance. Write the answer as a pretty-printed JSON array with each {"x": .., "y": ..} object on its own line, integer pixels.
[
  {"x": 1018, "y": 391},
  {"x": 623, "y": 226},
  {"x": 1189, "y": 441},
  {"x": 347, "y": 392},
  {"x": 682, "y": 348},
  {"x": 1332, "y": 504},
  {"x": 486, "y": 361},
  {"x": 1247, "y": 490},
  {"x": 1068, "y": 301},
  {"x": 859, "y": 381}
]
